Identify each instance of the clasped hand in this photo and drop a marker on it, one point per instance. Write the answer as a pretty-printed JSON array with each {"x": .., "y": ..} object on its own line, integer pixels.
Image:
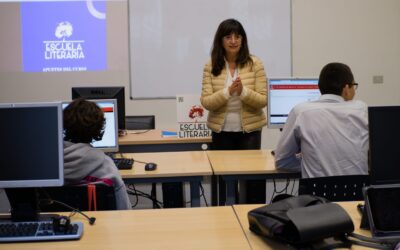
[{"x": 236, "y": 86}]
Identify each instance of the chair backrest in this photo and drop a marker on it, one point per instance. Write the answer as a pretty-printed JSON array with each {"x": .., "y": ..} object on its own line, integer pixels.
[
  {"x": 80, "y": 197},
  {"x": 335, "y": 188},
  {"x": 138, "y": 122}
]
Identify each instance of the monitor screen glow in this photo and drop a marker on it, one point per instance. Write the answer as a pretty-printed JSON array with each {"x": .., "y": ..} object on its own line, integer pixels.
[
  {"x": 285, "y": 93},
  {"x": 109, "y": 142}
]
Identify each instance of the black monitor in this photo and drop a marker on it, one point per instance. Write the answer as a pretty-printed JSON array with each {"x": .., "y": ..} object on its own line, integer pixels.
[
  {"x": 285, "y": 93},
  {"x": 31, "y": 151},
  {"x": 138, "y": 122},
  {"x": 104, "y": 93},
  {"x": 384, "y": 150}
]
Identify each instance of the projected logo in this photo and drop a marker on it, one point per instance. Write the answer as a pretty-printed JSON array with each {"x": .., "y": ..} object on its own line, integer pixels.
[
  {"x": 64, "y": 49},
  {"x": 64, "y": 29},
  {"x": 63, "y": 36}
]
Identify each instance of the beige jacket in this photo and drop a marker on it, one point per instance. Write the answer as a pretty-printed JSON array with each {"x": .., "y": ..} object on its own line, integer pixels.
[{"x": 213, "y": 99}]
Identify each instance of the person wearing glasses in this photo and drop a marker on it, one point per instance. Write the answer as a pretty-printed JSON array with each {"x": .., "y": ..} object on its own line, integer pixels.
[
  {"x": 329, "y": 136},
  {"x": 234, "y": 91}
]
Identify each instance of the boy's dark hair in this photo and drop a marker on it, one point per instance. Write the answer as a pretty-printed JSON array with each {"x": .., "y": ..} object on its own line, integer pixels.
[
  {"x": 334, "y": 77},
  {"x": 225, "y": 28},
  {"x": 83, "y": 122}
]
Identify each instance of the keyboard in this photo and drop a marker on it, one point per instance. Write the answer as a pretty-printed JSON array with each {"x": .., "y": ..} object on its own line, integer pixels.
[
  {"x": 37, "y": 231},
  {"x": 123, "y": 163}
]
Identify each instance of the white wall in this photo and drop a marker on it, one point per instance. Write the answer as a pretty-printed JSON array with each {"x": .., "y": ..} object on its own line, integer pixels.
[
  {"x": 157, "y": 35},
  {"x": 362, "y": 33}
]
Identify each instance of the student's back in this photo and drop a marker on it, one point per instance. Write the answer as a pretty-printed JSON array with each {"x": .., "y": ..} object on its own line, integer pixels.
[
  {"x": 332, "y": 133},
  {"x": 329, "y": 136},
  {"x": 84, "y": 123},
  {"x": 85, "y": 164}
]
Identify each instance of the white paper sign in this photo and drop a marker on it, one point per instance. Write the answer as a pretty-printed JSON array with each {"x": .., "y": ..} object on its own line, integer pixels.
[{"x": 192, "y": 117}]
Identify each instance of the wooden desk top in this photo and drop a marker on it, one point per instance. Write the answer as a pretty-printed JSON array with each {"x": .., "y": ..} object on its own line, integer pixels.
[
  {"x": 257, "y": 242},
  {"x": 242, "y": 162},
  {"x": 169, "y": 164},
  {"x": 184, "y": 228},
  {"x": 138, "y": 137}
]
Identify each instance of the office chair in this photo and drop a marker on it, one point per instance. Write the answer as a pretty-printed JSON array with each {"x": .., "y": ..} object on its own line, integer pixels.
[
  {"x": 335, "y": 188},
  {"x": 81, "y": 197},
  {"x": 139, "y": 122}
]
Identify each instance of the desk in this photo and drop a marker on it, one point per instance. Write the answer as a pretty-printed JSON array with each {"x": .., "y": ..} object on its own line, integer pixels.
[
  {"x": 188, "y": 166},
  {"x": 245, "y": 165},
  {"x": 258, "y": 242},
  {"x": 152, "y": 141},
  {"x": 184, "y": 228}
]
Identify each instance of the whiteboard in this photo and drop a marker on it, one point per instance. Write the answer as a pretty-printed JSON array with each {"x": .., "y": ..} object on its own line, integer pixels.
[{"x": 170, "y": 41}]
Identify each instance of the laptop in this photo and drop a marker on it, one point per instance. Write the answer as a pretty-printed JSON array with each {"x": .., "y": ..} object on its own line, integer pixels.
[
  {"x": 382, "y": 198},
  {"x": 382, "y": 204}
]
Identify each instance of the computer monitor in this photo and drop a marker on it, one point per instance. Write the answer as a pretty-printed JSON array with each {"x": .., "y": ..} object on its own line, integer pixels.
[
  {"x": 285, "y": 93},
  {"x": 109, "y": 142},
  {"x": 384, "y": 151},
  {"x": 104, "y": 93},
  {"x": 139, "y": 122},
  {"x": 31, "y": 153}
]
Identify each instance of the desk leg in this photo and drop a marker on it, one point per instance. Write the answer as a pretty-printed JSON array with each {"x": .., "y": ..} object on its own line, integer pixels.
[
  {"x": 214, "y": 190},
  {"x": 195, "y": 193},
  {"x": 221, "y": 191},
  {"x": 230, "y": 192},
  {"x": 154, "y": 194}
]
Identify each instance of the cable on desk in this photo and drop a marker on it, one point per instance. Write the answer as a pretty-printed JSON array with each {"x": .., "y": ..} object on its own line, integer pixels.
[
  {"x": 143, "y": 162},
  {"x": 48, "y": 201}
]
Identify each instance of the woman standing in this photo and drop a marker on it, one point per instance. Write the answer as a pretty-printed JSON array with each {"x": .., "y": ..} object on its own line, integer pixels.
[{"x": 234, "y": 91}]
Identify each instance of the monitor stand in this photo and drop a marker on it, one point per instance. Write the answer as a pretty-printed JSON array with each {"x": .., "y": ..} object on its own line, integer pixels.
[
  {"x": 122, "y": 132},
  {"x": 24, "y": 204},
  {"x": 273, "y": 151}
]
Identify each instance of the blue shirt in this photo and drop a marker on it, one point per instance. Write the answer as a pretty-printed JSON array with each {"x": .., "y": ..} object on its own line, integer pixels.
[{"x": 326, "y": 137}]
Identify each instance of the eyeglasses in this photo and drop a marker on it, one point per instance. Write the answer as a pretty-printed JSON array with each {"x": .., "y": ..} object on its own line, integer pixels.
[{"x": 353, "y": 84}]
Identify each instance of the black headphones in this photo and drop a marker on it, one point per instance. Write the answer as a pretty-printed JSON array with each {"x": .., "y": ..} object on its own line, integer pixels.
[
  {"x": 61, "y": 223},
  {"x": 64, "y": 221}
]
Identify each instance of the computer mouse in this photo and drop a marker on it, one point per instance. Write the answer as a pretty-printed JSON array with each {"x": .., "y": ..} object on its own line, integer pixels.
[{"x": 150, "y": 166}]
